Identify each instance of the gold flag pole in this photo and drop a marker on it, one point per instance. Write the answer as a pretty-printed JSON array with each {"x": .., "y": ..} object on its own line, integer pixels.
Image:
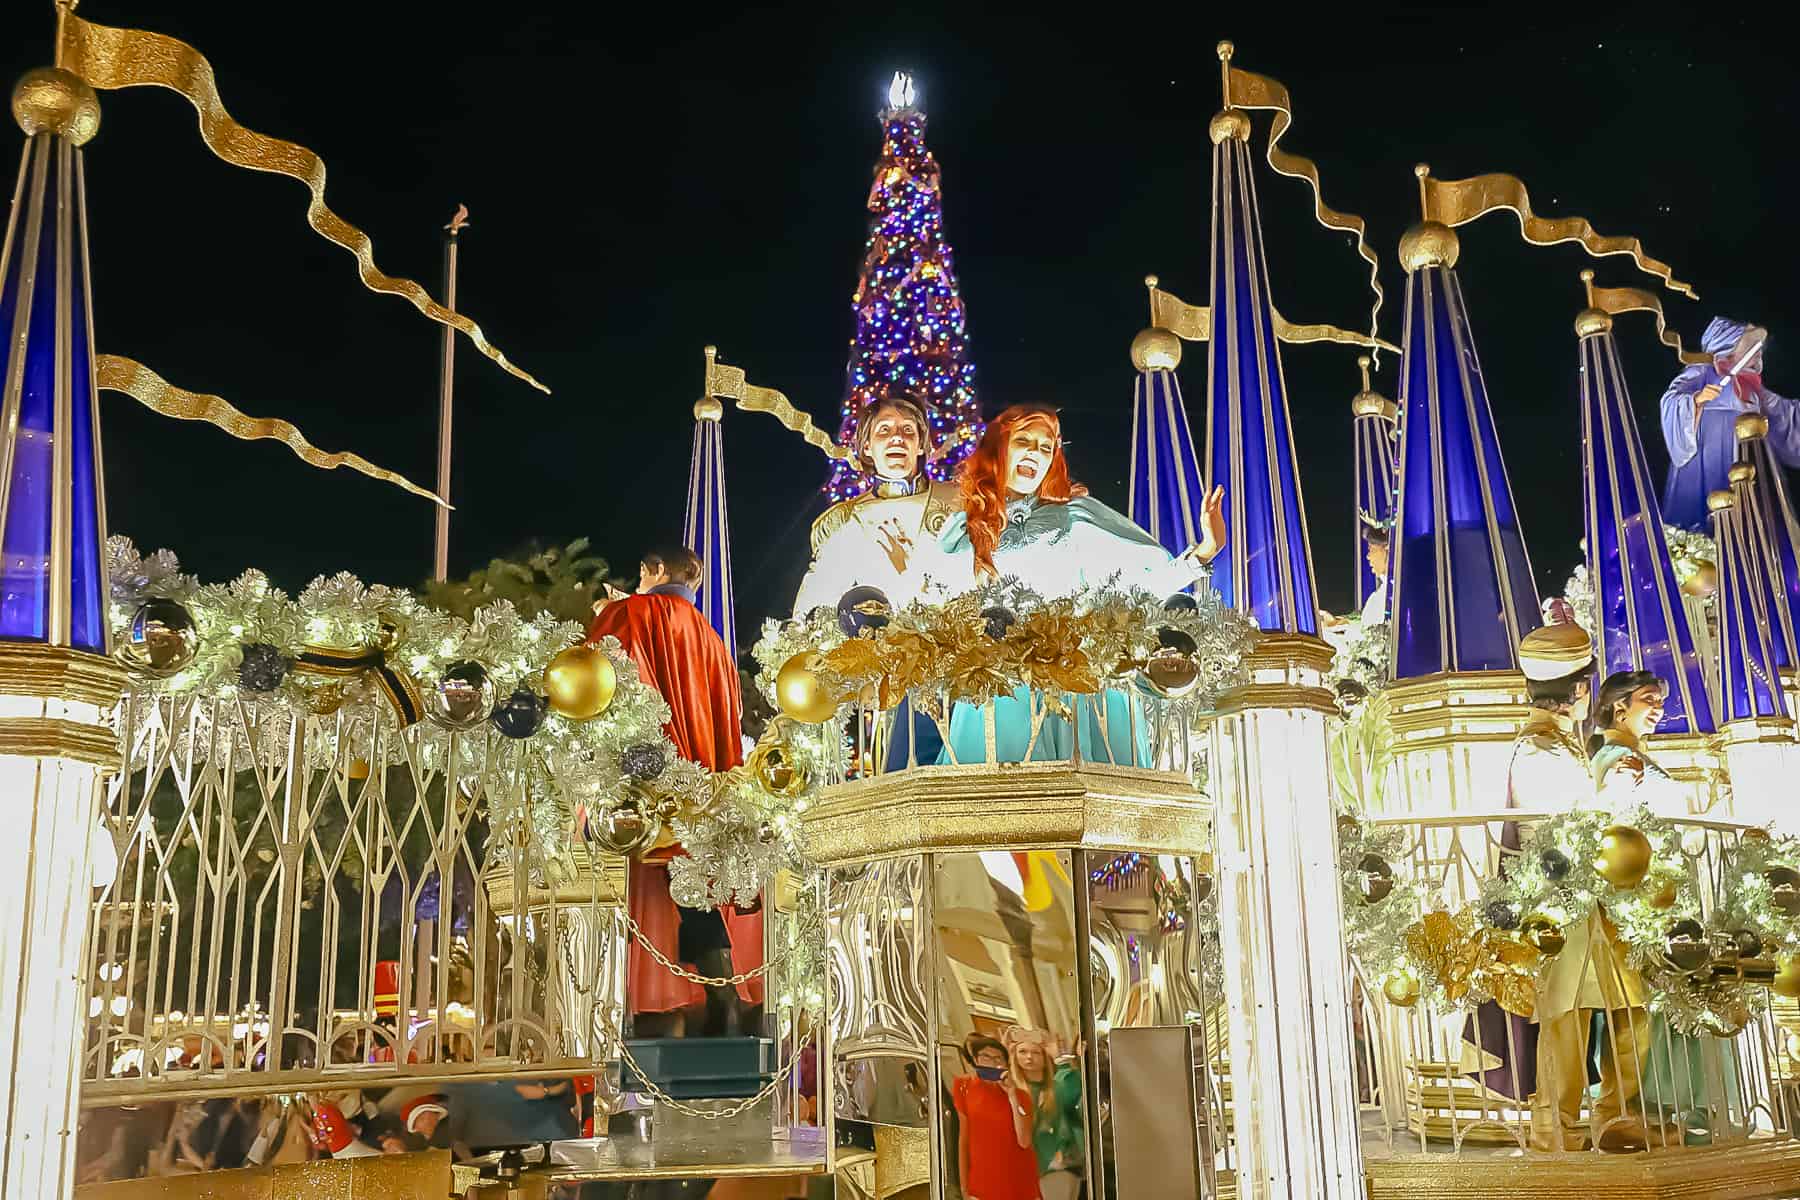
[{"x": 440, "y": 561}]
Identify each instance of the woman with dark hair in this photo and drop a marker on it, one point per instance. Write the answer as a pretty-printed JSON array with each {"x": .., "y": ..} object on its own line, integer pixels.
[
  {"x": 994, "y": 1154},
  {"x": 1024, "y": 518},
  {"x": 1688, "y": 1079}
]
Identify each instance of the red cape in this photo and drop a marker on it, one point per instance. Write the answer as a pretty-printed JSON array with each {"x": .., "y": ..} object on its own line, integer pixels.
[{"x": 681, "y": 656}]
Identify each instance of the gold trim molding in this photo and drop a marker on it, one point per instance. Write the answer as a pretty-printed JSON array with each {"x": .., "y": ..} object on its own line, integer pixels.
[
  {"x": 54, "y": 737},
  {"x": 596, "y": 878},
  {"x": 59, "y": 673},
  {"x": 1436, "y": 711},
  {"x": 1746, "y": 1171},
  {"x": 1014, "y": 806}
]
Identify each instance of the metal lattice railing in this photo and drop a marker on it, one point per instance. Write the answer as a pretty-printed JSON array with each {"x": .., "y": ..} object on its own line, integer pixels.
[{"x": 286, "y": 915}]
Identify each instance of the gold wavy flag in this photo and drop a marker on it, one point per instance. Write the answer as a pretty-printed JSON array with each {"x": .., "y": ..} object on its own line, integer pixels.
[
  {"x": 1193, "y": 323},
  {"x": 730, "y": 383},
  {"x": 111, "y": 58},
  {"x": 1459, "y": 201},
  {"x": 1624, "y": 300},
  {"x": 117, "y": 374},
  {"x": 1249, "y": 90}
]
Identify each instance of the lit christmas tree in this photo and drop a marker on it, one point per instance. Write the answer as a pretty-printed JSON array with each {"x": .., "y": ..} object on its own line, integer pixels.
[{"x": 909, "y": 312}]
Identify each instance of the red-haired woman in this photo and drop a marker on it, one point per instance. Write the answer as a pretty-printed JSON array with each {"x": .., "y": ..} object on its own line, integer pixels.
[{"x": 1025, "y": 519}]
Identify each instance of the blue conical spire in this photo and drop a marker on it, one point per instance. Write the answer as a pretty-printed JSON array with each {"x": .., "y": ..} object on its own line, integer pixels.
[
  {"x": 1265, "y": 571},
  {"x": 1769, "y": 515},
  {"x": 1749, "y": 676},
  {"x": 706, "y": 530},
  {"x": 1376, "y": 425},
  {"x": 1168, "y": 490},
  {"x": 1640, "y": 623},
  {"x": 52, "y": 513},
  {"x": 1463, "y": 593}
]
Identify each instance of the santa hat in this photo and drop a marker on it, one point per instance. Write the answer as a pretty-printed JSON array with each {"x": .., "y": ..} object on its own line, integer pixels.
[
  {"x": 421, "y": 1107},
  {"x": 332, "y": 1134}
]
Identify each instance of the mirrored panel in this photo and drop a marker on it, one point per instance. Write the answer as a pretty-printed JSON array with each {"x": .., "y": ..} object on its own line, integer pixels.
[{"x": 1012, "y": 1091}]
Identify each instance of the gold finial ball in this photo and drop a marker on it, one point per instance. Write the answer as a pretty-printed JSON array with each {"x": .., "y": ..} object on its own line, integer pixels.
[
  {"x": 1751, "y": 426},
  {"x": 1151, "y": 281},
  {"x": 52, "y": 100},
  {"x": 708, "y": 408},
  {"x": 1741, "y": 472},
  {"x": 1156, "y": 350},
  {"x": 1429, "y": 244},
  {"x": 1590, "y": 321},
  {"x": 1373, "y": 404},
  {"x": 1229, "y": 125},
  {"x": 1718, "y": 501},
  {"x": 1226, "y": 50}
]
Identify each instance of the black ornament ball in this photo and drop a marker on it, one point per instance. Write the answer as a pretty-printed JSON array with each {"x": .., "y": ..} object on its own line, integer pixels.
[
  {"x": 521, "y": 714},
  {"x": 1181, "y": 602},
  {"x": 1749, "y": 945},
  {"x": 643, "y": 762},
  {"x": 1555, "y": 865},
  {"x": 863, "y": 609},
  {"x": 263, "y": 667},
  {"x": 1501, "y": 915},
  {"x": 999, "y": 619}
]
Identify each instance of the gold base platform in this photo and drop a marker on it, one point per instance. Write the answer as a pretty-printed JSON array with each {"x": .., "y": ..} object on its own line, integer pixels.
[
  {"x": 624, "y": 1159},
  {"x": 1745, "y": 1171},
  {"x": 1017, "y": 805},
  {"x": 422, "y": 1176}
]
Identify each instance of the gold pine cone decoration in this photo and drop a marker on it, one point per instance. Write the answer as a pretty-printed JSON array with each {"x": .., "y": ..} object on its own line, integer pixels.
[
  {"x": 800, "y": 691},
  {"x": 1624, "y": 857},
  {"x": 1401, "y": 988},
  {"x": 1787, "y": 977},
  {"x": 580, "y": 682}
]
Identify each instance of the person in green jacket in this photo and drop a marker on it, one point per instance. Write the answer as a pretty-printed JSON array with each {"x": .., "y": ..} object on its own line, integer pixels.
[{"x": 1054, "y": 1083}]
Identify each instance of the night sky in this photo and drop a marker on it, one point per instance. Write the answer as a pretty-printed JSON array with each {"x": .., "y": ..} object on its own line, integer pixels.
[{"x": 639, "y": 190}]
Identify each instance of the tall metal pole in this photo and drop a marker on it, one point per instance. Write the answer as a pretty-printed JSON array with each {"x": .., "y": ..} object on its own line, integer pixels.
[{"x": 440, "y": 563}]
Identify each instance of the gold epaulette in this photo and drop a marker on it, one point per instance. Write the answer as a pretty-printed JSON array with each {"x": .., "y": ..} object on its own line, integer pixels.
[{"x": 832, "y": 520}]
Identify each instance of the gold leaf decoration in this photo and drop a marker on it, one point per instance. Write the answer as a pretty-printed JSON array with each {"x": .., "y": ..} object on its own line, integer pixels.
[
  {"x": 1468, "y": 961},
  {"x": 116, "y": 374},
  {"x": 1459, "y": 201},
  {"x": 111, "y": 58}
]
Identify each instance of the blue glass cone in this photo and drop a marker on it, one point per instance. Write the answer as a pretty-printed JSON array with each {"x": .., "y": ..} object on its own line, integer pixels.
[
  {"x": 1463, "y": 592},
  {"x": 1769, "y": 516},
  {"x": 706, "y": 530},
  {"x": 52, "y": 570},
  {"x": 1749, "y": 678},
  {"x": 1167, "y": 488},
  {"x": 1639, "y": 621},
  {"x": 1375, "y": 483},
  {"x": 1265, "y": 571}
]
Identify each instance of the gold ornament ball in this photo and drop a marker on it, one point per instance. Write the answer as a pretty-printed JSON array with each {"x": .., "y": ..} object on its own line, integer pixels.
[
  {"x": 1784, "y": 889},
  {"x": 52, "y": 100},
  {"x": 1401, "y": 988},
  {"x": 1545, "y": 934},
  {"x": 390, "y": 631},
  {"x": 1755, "y": 834},
  {"x": 580, "y": 682},
  {"x": 1156, "y": 350},
  {"x": 1229, "y": 125},
  {"x": 162, "y": 639},
  {"x": 323, "y": 701},
  {"x": 774, "y": 767},
  {"x": 626, "y": 826},
  {"x": 1172, "y": 672},
  {"x": 1662, "y": 894},
  {"x": 708, "y": 408},
  {"x": 1703, "y": 582},
  {"x": 1429, "y": 244},
  {"x": 1787, "y": 977},
  {"x": 1624, "y": 857},
  {"x": 800, "y": 692},
  {"x": 1375, "y": 879},
  {"x": 1686, "y": 946}
]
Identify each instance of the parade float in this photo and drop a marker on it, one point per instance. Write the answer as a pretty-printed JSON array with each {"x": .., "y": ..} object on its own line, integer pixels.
[{"x": 1238, "y": 896}]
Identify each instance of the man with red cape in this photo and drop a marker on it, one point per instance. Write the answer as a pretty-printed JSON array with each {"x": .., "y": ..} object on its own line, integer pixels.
[{"x": 684, "y": 659}]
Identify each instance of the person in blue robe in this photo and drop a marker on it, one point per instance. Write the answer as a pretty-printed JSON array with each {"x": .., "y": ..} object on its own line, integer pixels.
[
  {"x": 1699, "y": 418},
  {"x": 1024, "y": 519}
]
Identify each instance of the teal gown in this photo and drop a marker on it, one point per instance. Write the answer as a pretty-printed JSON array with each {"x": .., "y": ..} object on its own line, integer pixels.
[{"x": 1059, "y": 550}]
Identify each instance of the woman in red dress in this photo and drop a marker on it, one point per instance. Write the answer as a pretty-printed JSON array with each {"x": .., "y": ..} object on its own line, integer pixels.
[{"x": 993, "y": 1145}]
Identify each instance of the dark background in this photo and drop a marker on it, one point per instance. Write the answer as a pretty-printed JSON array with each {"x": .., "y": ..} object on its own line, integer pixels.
[{"x": 648, "y": 180}]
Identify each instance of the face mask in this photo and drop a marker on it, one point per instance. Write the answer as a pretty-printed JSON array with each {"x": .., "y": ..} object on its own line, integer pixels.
[{"x": 991, "y": 1074}]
